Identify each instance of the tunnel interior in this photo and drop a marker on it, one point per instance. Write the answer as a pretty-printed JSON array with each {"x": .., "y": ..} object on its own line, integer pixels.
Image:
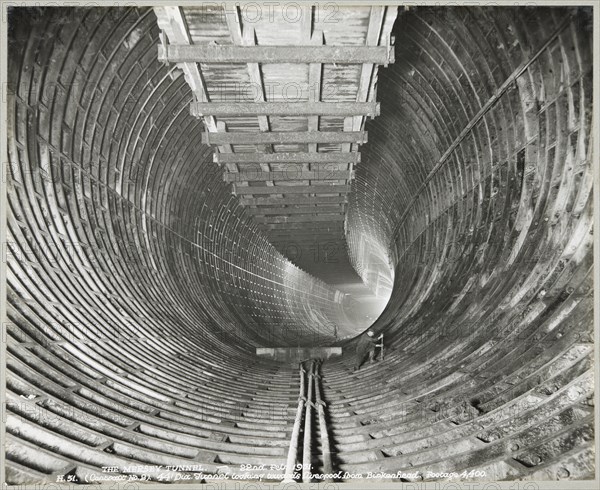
[{"x": 139, "y": 288}]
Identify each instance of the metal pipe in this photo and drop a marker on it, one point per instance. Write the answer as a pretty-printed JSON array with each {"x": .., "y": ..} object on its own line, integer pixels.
[
  {"x": 293, "y": 449},
  {"x": 325, "y": 445},
  {"x": 306, "y": 455}
]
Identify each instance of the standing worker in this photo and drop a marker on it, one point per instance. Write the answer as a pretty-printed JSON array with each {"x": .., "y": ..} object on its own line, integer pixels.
[{"x": 365, "y": 347}]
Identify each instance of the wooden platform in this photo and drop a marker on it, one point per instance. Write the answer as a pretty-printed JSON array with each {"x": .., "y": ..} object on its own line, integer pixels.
[
  {"x": 283, "y": 103},
  {"x": 299, "y": 354}
]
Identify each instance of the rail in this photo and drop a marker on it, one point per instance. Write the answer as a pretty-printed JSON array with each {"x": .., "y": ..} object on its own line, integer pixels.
[
  {"x": 310, "y": 377},
  {"x": 307, "y": 452},
  {"x": 325, "y": 444}
]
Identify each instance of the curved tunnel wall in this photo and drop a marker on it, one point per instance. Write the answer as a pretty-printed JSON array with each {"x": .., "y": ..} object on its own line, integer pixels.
[
  {"x": 485, "y": 133},
  {"x": 481, "y": 166},
  {"x": 125, "y": 347},
  {"x": 108, "y": 163}
]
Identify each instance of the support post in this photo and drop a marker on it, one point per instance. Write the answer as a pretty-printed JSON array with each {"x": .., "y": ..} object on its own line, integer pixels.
[{"x": 380, "y": 345}]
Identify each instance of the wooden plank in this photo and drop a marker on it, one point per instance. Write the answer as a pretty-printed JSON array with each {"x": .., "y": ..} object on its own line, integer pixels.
[
  {"x": 300, "y": 233},
  {"x": 368, "y": 71},
  {"x": 283, "y": 137},
  {"x": 307, "y": 227},
  {"x": 206, "y": 53},
  {"x": 291, "y": 168},
  {"x": 269, "y": 233},
  {"x": 287, "y": 175},
  {"x": 306, "y": 22},
  {"x": 313, "y": 230},
  {"x": 308, "y": 246},
  {"x": 305, "y": 235},
  {"x": 294, "y": 355},
  {"x": 248, "y": 38},
  {"x": 232, "y": 109},
  {"x": 292, "y": 189},
  {"x": 347, "y": 145},
  {"x": 283, "y": 201},
  {"x": 329, "y": 218},
  {"x": 298, "y": 230},
  {"x": 300, "y": 157},
  {"x": 321, "y": 227},
  {"x": 305, "y": 240},
  {"x": 299, "y": 210},
  {"x": 221, "y": 126},
  {"x": 315, "y": 74},
  {"x": 172, "y": 22}
]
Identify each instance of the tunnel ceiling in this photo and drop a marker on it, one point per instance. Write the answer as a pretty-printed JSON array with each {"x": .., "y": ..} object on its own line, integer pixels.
[
  {"x": 139, "y": 285},
  {"x": 286, "y": 121}
]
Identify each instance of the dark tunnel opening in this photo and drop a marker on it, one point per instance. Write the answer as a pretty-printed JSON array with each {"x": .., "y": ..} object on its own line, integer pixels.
[{"x": 139, "y": 287}]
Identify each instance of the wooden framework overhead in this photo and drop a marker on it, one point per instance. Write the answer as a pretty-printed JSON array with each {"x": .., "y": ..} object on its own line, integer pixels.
[
  {"x": 292, "y": 189},
  {"x": 222, "y": 109},
  {"x": 284, "y": 137},
  {"x": 290, "y": 200},
  {"x": 284, "y": 105},
  {"x": 185, "y": 53},
  {"x": 280, "y": 210},
  {"x": 284, "y": 157},
  {"x": 287, "y": 175}
]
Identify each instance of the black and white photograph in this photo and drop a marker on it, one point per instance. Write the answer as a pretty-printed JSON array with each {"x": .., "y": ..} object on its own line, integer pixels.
[{"x": 280, "y": 244}]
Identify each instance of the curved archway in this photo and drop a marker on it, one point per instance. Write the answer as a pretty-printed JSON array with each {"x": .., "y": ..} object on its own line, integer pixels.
[{"x": 139, "y": 288}]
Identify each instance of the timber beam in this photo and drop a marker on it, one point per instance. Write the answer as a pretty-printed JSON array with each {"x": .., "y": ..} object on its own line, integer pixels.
[
  {"x": 331, "y": 217},
  {"x": 300, "y": 157},
  {"x": 203, "y": 53},
  {"x": 296, "y": 210},
  {"x": 307, "y": 228},
  {"x": 226, "y": 109},
  {"x": 291, "y": 200},
  {"x": 292, "y": 174},
  {"x": 305, "y": 239},
  {"x": 292, "y": 189},
  {"x": 284, "y": 137},
  {"x": 302, "y": 218}
]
